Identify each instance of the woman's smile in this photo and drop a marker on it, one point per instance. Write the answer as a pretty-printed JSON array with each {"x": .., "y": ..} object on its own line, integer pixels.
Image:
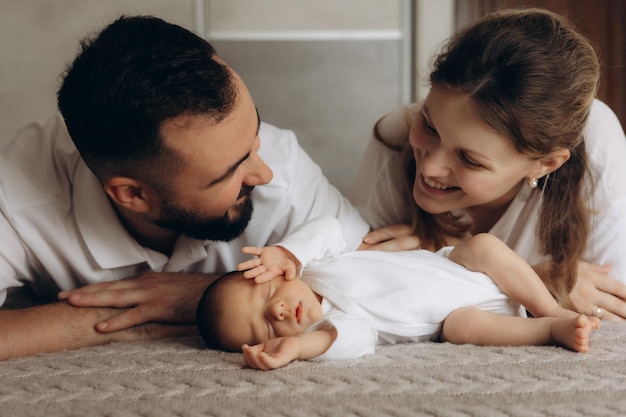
[{"x": 433, "y": 185}]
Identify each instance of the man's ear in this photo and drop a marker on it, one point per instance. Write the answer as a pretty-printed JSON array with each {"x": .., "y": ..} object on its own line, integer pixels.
[
  {"x": 128, "y": 193},
  {"x": 551, "y": 162}
]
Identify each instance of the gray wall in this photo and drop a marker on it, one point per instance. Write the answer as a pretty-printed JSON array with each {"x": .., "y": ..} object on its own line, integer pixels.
[
  {"x": 38, "y": 38},
  {"x": 328, "y": 85}
]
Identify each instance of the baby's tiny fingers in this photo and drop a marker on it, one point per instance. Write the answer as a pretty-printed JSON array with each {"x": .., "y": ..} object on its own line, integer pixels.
[
  {"x": 251, "y": 250},
  {"x": 254, "y": 272},
  {"x": 290, "y": 272},
  {"x": 265, "y": 277},
  {"x": 252, "y": 263}
]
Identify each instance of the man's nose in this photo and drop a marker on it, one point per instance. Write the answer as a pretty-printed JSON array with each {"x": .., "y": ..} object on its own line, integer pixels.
[{"x": 260, "y": 173}]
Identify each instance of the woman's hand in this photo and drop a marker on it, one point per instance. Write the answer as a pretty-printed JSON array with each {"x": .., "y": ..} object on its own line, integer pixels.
[
  {"x": 391, "y": 238},
  {"x": 597, "y": 294}
]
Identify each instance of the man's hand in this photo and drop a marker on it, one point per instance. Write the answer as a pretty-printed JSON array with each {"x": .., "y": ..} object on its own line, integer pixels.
[
  {"x": 59, "y": 326},
  {"x": 272, "y": 354},
  {"x": 271, "y": 262},
  {"x": 151, "y": 297}
]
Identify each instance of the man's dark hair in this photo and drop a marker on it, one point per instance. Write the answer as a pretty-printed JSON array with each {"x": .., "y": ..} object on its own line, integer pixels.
[{"x": 138, "y": 72}]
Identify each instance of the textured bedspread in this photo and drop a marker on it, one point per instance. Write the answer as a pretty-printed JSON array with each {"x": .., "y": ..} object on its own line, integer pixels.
[{"x": 177, "y": 377}]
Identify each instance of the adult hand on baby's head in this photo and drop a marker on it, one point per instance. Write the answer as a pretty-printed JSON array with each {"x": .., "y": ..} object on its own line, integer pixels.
[{"x": 271, "y": 262}]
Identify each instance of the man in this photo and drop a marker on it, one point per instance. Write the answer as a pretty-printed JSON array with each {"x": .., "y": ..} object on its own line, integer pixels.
[{"x": 149, "y": 197}]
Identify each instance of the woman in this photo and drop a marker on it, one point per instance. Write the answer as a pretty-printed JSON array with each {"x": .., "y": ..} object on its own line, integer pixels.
[{"x": 510, "y": 141}]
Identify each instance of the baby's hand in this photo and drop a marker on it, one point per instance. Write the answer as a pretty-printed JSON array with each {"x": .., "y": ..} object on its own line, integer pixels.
[
  {"x": 272, "y": 354},
  {"x": 272, "y": 262}
]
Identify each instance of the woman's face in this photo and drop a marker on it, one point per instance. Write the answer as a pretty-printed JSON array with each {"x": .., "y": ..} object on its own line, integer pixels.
[{"x": 461, "y": 162}]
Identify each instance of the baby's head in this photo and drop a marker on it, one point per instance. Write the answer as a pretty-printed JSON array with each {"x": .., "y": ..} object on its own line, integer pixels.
[
  {"x": 213, "y": 312},
  {"x": 234, "y": 311}
]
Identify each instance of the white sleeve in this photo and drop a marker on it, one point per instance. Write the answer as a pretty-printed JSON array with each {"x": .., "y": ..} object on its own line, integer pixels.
[
  {"x": 356, "y": 336},
  {"x": 606, "y": 146},
  {"x": 314, "y": 240},
  {"x": 13, "y": 257}
]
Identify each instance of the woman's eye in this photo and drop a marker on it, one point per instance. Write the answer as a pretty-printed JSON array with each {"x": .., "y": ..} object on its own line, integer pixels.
[
  {"x": 269, "y": 288},
  {"x": 468, "y": 162},
  {"x": 429, "y": 128}
]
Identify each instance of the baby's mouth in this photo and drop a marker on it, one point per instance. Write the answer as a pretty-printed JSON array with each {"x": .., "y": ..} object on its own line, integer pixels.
[{"x": 299, "y": 312}]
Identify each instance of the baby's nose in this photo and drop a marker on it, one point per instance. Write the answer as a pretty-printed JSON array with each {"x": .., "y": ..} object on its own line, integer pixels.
[{"x": 279, "y": 310}]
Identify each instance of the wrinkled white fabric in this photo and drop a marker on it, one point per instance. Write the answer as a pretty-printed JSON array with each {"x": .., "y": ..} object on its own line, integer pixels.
[{"x": 375, "y": 297}]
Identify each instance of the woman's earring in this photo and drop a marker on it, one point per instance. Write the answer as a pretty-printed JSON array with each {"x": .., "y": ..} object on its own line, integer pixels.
[{"x": 532, "y": 182}]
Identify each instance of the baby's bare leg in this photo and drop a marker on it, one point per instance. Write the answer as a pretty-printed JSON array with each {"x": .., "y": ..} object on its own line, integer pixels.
[
  {"x": 479, "y": 327},
  {"x": 513, "y": 275}
]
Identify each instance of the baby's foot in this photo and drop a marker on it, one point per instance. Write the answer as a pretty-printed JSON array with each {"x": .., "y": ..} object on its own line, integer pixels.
[{"x": 574, "y": 333}]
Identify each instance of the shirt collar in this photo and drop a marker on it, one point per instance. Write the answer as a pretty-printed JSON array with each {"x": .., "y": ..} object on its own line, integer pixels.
[{"x": 106, "y": 237}]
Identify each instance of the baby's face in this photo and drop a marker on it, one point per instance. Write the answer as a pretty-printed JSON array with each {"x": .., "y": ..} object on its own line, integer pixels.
[{"x": 255, "y": 313}]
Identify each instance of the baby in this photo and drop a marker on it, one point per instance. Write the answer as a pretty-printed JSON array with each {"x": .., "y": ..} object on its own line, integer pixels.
[{"x": 345, "y": 304}]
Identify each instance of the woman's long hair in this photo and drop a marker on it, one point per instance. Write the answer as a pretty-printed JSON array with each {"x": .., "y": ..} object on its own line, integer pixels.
[{"x": 533, "y": 78}]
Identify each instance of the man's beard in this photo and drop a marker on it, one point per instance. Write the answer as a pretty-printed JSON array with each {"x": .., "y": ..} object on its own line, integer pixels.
[{"x": 196, "y": 226}]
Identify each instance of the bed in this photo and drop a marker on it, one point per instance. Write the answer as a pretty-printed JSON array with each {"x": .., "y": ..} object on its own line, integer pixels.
[{"x": 178, "y": 377}]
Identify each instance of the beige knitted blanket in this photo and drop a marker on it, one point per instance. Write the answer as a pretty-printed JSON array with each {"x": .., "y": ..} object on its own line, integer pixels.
[{"x": 177, "y": 377}]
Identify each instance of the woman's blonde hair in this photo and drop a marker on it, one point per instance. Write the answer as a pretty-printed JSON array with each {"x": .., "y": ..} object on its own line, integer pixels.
[{"x": 533, "y": 78}]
